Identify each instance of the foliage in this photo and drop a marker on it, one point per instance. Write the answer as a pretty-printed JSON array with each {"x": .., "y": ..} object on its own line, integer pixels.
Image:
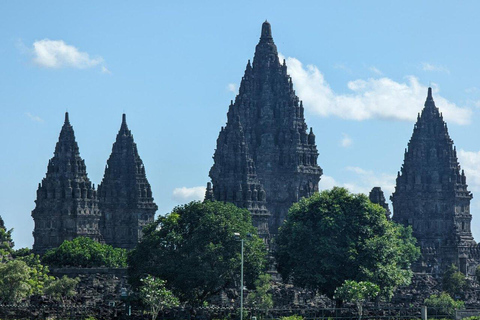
[
  {"x": 86, "y": 253},
  {"x": 335, "y": 236},
  {"x": 453, "y": 281},
  {"x": 38, "y": 273},
  {"x": 260, "y": 298},
  {"x": 444, "y": 303},
  {"x": 62, "y": 288},
  {"x": 357, "y": 292},
  {"x": 294, "y": 317},
  {"x": 154, "y": 295},
  {"x": 195, "y": 250},
  {"x": 6, "y": 242},
  {"x": 14, "y": 281},
  {"x": 22, "y": 252}
]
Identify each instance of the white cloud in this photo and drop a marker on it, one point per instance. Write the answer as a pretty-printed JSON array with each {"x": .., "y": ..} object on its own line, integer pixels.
[
  {"x": 339, "y": 66},
  {"x": 376, "y": 70},
  {"x": 326, "y": 183},
  {"x": 232, "y": 87},
  {"x": 380, "y": 98},
  {"x": 367, "y": 179},
  {"x": 470, "y": 162},
  {"x": 471, "y": 90},
  {"x": 184, "y": 194},
  {"x": 361, "y": 181},
  {"x": 57, "y": 54},
  {"x": 431, "y": 67},
  {"x": 346, "y": 141},
  {"x": 105, "y": 70},
  {"x": 33, "y": 117}
]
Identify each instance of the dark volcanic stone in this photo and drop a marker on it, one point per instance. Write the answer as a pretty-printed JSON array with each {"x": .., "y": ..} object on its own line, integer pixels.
[
  {"x": 125, "y": 196},
  {"x": 431, "y": 195},
  {"x": 265, "y": 145},
  {"x": 66, "y": 205}
]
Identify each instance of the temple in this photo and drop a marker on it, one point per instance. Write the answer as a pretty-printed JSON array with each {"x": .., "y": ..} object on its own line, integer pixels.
[
  {"x": 377, "y": 196},
  {"x": 67, "y": 204},
  {"x": 125, "y": 196},
  {"x": 431, "y": 195},
  {"x": 266, "y": 125}
]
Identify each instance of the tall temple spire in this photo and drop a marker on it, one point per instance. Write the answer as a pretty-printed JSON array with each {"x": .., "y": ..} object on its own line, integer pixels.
[
  {"x": 66, "y": 205},
  {"x": 431, "y": 192},
  {"x": 67, "y": 121},
  {"x": 125, "y": 194},
  {"x": 271, "y": 119}
]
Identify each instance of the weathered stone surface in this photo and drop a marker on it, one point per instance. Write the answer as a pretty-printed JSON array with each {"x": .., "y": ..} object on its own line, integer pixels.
[
  {"x": 431, "y": 195},
  {"x": 376, "y": 196},
  {"x": 275, "y": 136},
  {"x": 66, "y": 205},
  {"x": 125, "y": 196}
]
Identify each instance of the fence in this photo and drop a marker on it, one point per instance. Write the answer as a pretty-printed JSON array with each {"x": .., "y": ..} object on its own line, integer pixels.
[{"x": 81, "y": 312}]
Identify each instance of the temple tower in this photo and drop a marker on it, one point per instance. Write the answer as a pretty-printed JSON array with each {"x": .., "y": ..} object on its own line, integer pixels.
[
  {"x": 239, "y": 183},
  {"x": 125, "y": 195},
  {"x": 431, "y": 194},
  {"x": 275, "y": 134},
  {"x": 376, "y": 196},
  {"x": 66, "y": 205}
]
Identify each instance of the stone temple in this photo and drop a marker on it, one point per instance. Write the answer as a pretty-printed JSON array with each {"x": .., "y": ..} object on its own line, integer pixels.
[
  {"x": 431, "y": 195},
  {"x": 68, "y": 206},
  {"x": 265, "y": 158},
  {"x": 125, "y": 196}
]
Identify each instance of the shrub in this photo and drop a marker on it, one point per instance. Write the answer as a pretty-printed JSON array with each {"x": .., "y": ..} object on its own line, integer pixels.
[
  {"x": 85, "y": 253},
  {"x": 293, "y": 317},
  {"x": 444, "y": 303}
]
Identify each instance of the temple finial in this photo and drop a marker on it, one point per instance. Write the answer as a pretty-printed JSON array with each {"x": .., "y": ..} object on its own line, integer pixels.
[
  {"x": 123, "y": 126},
  {"x": 429, "y": 96},
  {"x": 266, "y": 30},
  {"x": 66, "y": 118}
]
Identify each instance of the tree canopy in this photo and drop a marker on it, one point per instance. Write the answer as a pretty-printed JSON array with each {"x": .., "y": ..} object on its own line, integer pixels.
[
  {"x": 335, "y": 236},
  {"x": 85, "y": 252},
  {"x": 195, "y": 250}
]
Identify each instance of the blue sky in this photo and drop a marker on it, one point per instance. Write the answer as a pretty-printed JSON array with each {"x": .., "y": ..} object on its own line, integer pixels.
[{"x": 361, "y": 68}]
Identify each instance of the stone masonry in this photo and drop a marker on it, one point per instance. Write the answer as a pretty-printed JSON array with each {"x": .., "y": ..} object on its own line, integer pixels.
[
  {"x": 67, "y": 204},
  {"x": 431, "y": 195},
  {"x": 125, "y": 196},
  {"x": 274, "y": 141}
]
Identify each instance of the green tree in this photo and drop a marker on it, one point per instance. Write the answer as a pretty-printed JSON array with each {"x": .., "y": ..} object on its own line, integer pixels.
[
  {"x": 14, "y": 281},
  {"x": 195, "y": 250},
  {"x": 6, "y": 242},
  {"x": 335, "y": 236},
  {"x": 357, "y": 292},
  {"x": 38, "y": 273},
  {"x": 260, "y": 298},
  {"x": 444, "y": 303},
  {"x": 86, "y": 253},
  {"x": 155, "y": 296},
  {"x": 454, "y": 282},
  {"x": 62, "y": 288}
]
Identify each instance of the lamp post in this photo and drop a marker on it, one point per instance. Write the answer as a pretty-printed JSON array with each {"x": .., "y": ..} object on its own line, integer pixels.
[{"x": 239, "y": 238}]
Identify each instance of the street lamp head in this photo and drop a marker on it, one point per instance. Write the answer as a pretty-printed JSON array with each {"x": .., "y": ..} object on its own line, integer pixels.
[{"x": 237, "y": 236}]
